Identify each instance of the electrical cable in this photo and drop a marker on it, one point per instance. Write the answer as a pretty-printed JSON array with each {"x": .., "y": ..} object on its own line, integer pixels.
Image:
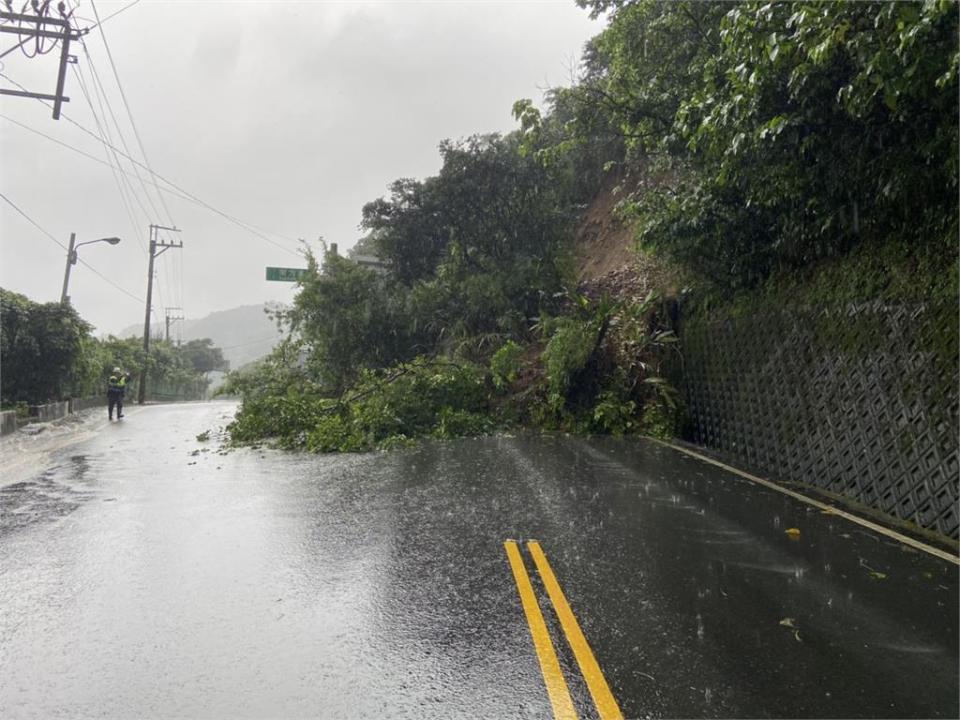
[
  {"x": 123, "y": 96},
  {"x": 32, "y": 221},
  {"x": 64, "y": 247},
  {"x": 252, "y": 342},
  {"x": 33, "y": 34},
  {"x": 102, "y": 98},
  {"x": 123, "y": 196},
  {"x": 87, "y": 155},
  {"x": 163, "y": 287},
  {"x": 111, "y": 15},
  {"x": 252, "y": 229}
]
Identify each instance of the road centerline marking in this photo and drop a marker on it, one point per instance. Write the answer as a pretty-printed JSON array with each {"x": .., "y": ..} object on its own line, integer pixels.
[
  {"x": 596, "y": 683},
  {"x": 556, "y": 685}
]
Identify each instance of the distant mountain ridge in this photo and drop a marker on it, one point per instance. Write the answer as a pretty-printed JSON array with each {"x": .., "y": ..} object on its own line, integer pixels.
[{"x": 244, "y": 333}]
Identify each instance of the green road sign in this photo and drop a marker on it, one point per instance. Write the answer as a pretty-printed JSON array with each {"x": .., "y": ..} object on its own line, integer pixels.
[{"x": 285, "y": 274}]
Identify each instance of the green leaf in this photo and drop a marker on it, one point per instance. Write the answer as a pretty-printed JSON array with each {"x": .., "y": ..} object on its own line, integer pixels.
[{"x": 890, "y": 98}]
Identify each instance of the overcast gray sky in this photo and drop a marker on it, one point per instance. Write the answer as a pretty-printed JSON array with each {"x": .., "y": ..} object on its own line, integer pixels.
[{"x": 288, "y": 116}]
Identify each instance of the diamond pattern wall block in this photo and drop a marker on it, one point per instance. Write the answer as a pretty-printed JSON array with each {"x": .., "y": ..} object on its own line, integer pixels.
[{"x": 861, "y": 400}]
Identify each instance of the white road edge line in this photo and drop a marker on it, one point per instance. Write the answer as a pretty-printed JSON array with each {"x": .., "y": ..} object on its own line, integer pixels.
[{"x": 816, "y": 503}]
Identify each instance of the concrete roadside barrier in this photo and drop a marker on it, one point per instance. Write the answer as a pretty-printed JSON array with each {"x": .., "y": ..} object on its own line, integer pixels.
[
  {"x": 8, "y": 422},
  {"x": 51, "y": 411}
]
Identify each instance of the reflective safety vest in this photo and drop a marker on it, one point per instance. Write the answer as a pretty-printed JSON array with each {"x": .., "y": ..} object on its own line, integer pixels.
[{"x": 117, "y": 385}]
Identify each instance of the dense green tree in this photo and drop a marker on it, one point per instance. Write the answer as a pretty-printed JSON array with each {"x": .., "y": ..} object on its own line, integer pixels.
[
  {"x": 203, "y": 357},
  {"x": 481, "y": 244},
  {"x": 41, "y": 346},
  {"x": 408, "y": 231},
  {"x": 349, "y": 318},
  {"x": 126, "y": 353},
  {"x": 172, "y": 371},
  {"x": 47, "y": 353}
]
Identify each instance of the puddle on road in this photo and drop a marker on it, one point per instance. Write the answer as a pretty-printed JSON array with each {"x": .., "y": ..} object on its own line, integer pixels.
[{"x": 44, "y": 498}]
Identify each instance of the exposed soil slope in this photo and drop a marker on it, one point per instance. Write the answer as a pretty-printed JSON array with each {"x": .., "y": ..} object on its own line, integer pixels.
[{"x": 608, "y": 260}]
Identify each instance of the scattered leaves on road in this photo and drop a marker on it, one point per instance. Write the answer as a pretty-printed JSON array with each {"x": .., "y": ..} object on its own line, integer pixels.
[
  {"x": 875, "y": 574},
  {"x": 789, "y": 622}
]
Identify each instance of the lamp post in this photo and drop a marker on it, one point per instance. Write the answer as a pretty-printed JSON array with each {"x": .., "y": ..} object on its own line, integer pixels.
[{"x": 72, "y": 260}]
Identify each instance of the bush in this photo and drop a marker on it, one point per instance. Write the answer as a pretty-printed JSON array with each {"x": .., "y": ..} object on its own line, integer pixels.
[
  {"x": 384, "y": 409},
  {"x": 613, "y": 414},
  {"x": 418, "y": 399},
  {"x": 567, "y": 352},
  {"x": 284, "y": 418},
  {"x": 461, "y": 423},
  {"x": 333, "y": 433},
  {"x": 505, "y": 364}
]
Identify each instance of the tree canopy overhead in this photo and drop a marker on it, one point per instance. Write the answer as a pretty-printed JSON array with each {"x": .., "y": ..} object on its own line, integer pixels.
[{"x": 770, "y": 135}]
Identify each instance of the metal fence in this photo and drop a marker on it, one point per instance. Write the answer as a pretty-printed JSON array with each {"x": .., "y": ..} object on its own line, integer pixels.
[{"x": 861, "y": 401}]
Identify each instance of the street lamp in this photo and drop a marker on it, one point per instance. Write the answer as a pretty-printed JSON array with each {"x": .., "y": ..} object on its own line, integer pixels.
[{"x": 72, "y": 260}]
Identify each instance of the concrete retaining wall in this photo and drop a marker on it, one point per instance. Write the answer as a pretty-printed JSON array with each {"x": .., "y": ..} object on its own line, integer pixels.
[
  {"x": 8, "y": 422},
  {"x": 861, "y": 401},
  {"x": 47, "y": 413},
  {"x": 78, "y": 404}
]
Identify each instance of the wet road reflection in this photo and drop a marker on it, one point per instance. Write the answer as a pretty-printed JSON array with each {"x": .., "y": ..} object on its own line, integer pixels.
[{"x": 144, "y": 573}]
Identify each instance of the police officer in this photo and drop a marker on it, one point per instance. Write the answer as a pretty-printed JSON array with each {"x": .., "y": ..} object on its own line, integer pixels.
[{"x": 116, "y": 388}]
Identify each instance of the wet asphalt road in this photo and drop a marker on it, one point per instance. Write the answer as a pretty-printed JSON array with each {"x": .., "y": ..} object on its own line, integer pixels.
[{"x": 140, "y": 580}]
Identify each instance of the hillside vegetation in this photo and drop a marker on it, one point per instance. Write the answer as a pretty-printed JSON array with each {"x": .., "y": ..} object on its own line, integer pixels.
[{"x": 753, "y": 148}]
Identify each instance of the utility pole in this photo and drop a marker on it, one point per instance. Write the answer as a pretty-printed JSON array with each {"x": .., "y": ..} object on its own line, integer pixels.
[
  {"x": 37, "y": 35},
  {"x": 71, "y": 259},
  {"x": 154, "y": 253},
  {"x": 169, "y": 319}
]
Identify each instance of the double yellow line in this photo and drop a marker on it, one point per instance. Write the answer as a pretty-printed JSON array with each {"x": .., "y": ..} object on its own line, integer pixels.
[{"x": 557, "y": 689}]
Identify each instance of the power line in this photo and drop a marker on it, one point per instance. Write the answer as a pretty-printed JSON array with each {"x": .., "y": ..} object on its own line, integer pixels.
[
  {"x": 111, "y": 15},
  {"x": 123, "y": 198},
  {"x": 103, "y": 98},
  {"x": 252, "y": 229},
  {"x": 80, "y": 260},
  {"x": 113, "y": 170},
  {"x": 123, "y": 96},
  {"x": 103, "y": 130},
  {"x": 42, "y": 46},
  {"x": 87, "y": 155},
  {"x": 31, "y": 220},
  {"x": 252, "y": 342}
]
